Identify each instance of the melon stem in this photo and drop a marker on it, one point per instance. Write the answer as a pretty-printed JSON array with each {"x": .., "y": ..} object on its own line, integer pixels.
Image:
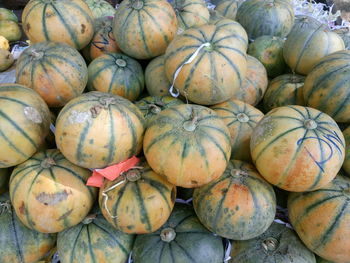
[
  {"x": 37, "y": 54},
  {"x": 154, "y": 108},
  {"x": 242, "y": 117},
  {"x": 5, "y": 206},
  {"x": 133, "y": 175},
  {"x": 47, "y": 162},
  {"x": 310, "y": 124},
  {"x": 137, "y": 4},
  {"x": 191, "y": 124},
  {"x": 270, "y": 244},
  {"x": 89, "y": 218},
  {"x": 167, "y": 234}
]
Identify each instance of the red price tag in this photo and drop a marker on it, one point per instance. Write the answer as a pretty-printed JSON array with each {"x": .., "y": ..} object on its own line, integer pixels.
[{"x": 111, "y": 172}]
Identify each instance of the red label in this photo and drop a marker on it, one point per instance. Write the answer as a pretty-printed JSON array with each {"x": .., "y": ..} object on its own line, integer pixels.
[{"x": 111, "y": 172}]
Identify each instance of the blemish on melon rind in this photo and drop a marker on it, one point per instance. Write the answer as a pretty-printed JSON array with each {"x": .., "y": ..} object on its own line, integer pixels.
[
  {"x": 32, "y": 114},
  {"x": 262, "y": 131},
  {"x": 79, "y": 117},
  {"x": 52, "y": 199}
]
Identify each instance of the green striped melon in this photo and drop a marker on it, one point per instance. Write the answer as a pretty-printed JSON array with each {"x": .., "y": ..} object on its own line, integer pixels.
[
  {"x": 182, "y": 239},
  {"x": 99, "y": 129},
  {"x": 241, "y": 119},
  {"x": 138, "y": 202},
  {"x": 18, "y": 243},
  {"x": 255, "y": 83},
  {"x": 217, "y": 71},
  {"x": 269, "y": 51},
  {"x": 49, "y": 193},
  {"x": 4, "y": 179},
  {"x": 117, "y": 74},
  {"x": 67, "y": 21},
  {"x": 144, "y": 28},
  {"x": 157, "y": 83},
  {"x": 308, "y": 42},
  {"x": 322, "y": 218},
  {"x": 100, "y": 8},
  {"x": 55, "y": 70},
  {"x": 327, "y": 86},
  {"x": 190, "y": 13},
  {"x": 189, "y": 144},
  {"x": 272, "y": 17},
  {"x": 236, "y": 30},
  {"x": 284, "y": 90},
  {"x": 277, "y": 244},
  {"x": 24, "y": 123},
  {"x": 297, "y": 148},
  {"x": 227, "y": 8},
  {"x": 151, "y": 106},
  {"x": 93, "y": 241},
  {"x": 238, "y": 205}
]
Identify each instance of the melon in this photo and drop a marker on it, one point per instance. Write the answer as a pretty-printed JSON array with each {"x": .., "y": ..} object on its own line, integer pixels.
[
  {"x": 144, "y": 28},
  {"x": 322, "y": 217},
  {"x": 116, "y": 74},
  {"x": 277, "y": 244},
  {"x": 182, "y": 239},
  {"x": 140, "y": 201},
  {"x": 49, "y": 193},
  {"x": 18, "y": 243},
  {"x": 67, "y": 21},
  {"x": 24, "y": 123},
  {"x": 93, "y": 240},
  {"x": 238, "y": 205},
  {"x": 297, "y": 148},
  {"x": 284, "y": 90},
  {"x": 188, "y": 144},
  {"x": 99, "y": 129},
  {"x": 55, "y": 70}
]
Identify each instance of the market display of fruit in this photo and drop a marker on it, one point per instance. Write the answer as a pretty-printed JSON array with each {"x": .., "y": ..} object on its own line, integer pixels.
[{"x": 174, "y": 131}]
